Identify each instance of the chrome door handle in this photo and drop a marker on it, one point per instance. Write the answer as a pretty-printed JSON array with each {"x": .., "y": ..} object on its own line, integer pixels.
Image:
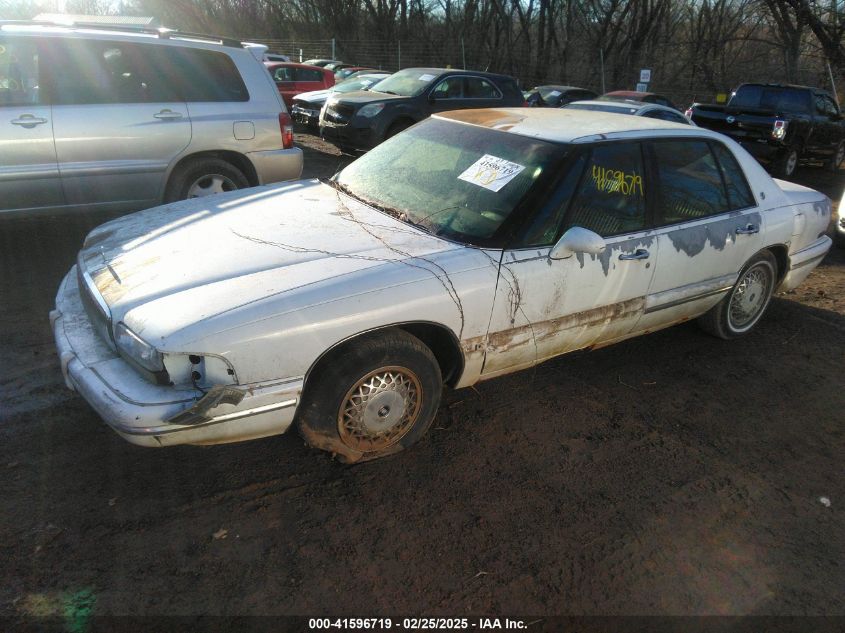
[
  {"x": 167, "y": 115},
  {"x": 640, "y": 253},
  {"x": 28, "y": 121},
  {"x": 750, "y": 229}
]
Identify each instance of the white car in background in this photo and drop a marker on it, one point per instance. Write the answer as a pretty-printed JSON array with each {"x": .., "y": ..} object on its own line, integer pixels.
[
  {"x": 633, "y": 108},
  {"x": 475, "y": 244}
]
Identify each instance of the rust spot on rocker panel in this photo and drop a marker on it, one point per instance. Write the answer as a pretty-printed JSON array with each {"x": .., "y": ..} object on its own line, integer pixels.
[{"x": 524, "y": 340}]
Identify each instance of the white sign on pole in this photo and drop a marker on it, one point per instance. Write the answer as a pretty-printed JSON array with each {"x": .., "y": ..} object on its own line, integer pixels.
[
  {"x": 645, "y": 75},
  {"x": 642, "y": 87}
]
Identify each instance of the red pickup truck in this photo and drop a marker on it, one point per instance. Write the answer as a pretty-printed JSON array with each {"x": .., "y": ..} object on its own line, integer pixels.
[{"x": 779, "y": 125}]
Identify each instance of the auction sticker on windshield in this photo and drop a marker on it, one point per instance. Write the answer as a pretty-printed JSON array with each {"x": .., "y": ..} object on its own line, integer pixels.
[
  {"x": 491, "y": 172},
  {"x": 425, "y": 77}
]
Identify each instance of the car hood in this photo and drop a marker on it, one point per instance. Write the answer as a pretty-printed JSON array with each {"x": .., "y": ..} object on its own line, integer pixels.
[
  {"x": 314, "y": 95},
  {"x": 169, "y": 267}
]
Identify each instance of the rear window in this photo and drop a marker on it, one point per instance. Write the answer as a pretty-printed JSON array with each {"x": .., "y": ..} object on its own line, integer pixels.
[
  {"x": 208, "y": 76},
  {"x": 309, "y": 74},
  {"x": 771, "y": 98}
]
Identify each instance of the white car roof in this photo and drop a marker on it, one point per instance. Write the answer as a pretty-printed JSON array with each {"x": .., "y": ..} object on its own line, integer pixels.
[{"x": 572, "y": 126}]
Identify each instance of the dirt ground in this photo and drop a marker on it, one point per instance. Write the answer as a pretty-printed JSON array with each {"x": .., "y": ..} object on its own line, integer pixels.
[{"x": 670, "y": 474}]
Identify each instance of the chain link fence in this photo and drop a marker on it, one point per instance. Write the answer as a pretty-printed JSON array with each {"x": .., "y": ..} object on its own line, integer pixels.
[{"x": 583, "y": 68}]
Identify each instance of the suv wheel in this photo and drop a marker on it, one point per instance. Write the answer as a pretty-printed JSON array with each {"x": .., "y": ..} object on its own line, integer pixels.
[{"x": 204, "y": 177}]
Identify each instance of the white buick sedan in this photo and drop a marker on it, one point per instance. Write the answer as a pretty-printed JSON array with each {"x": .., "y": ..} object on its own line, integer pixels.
[{"x": 475, "y": 244}]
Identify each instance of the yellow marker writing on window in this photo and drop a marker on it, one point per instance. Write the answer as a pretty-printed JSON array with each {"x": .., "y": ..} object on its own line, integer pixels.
[{"x": 617, "y": 181}]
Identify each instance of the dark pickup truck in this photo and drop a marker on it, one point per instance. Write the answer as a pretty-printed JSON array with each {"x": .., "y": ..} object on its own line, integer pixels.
[{"x": 779, "y": 125}]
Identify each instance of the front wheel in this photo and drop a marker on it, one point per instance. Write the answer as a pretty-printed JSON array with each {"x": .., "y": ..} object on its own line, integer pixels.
[
  {"x": 743, "y": 307},
  {"x": 376, "y": 397}
]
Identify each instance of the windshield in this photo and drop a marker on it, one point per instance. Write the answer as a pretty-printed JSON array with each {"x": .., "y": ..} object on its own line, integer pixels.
[
  {"x": 549, "y": 93},
  {"x": 406, "y": 83},
  {"x": 771, "y": 98},
  {"x": 364, "y": 82},
  {"x": 451, "y": 179},
  {"x": 601, "y": 108}
]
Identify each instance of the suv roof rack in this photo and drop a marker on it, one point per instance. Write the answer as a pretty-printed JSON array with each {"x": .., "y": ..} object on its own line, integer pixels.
[{"x": 160, "y": 31}]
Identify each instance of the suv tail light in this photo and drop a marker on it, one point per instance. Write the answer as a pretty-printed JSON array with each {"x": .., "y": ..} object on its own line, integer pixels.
[
  {"x": 286, "y": 128},
  {"x": 779, "y": 129},
  {"x": 688, "y": 113}
]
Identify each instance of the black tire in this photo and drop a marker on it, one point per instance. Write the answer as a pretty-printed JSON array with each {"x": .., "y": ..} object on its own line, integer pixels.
[
  {"x": 391, "y": 367},
  {"x": 192, "y": 176},
  {"x": 787, "y": 163},
  {"x": 760, "y": 274},
  {"x": 835, "y": 162}
]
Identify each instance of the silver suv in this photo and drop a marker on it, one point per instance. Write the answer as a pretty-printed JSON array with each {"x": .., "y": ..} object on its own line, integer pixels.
[{"x": 126, "y": 119}]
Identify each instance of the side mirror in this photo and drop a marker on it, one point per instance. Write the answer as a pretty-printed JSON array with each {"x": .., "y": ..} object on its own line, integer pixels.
[
  {"x": 431, "y": 97},
  {"x": 577, "y": 240}
]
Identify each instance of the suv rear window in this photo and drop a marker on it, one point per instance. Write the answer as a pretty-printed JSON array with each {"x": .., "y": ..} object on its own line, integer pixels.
[
  {"x": 208, "y": 76},
  {"x": 771, "y": 98}
]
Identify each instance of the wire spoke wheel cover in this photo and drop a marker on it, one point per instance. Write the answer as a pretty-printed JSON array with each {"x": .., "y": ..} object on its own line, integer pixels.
[
  {"x": 209, "y": 185},
  {"x": 380, "y": 409},
  {"x": 750, "y": 297}
]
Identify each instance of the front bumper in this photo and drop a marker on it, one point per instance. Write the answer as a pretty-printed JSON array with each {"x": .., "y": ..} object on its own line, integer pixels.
[
  {"x": 305, "y": 115},
  {"x": 140, "y": 411},
  {"x": 802, "y": 263},
  {"x": 349, "y": 136},
  {"x": 277, "y": 165}
]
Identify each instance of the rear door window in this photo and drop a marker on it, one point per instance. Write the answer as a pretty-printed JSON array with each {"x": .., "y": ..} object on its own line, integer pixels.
[
  {"x": 308, "y": 74},
  {"x": 478, "y": 88},
  {"x": 610, "y": 199},
  {"x": 19, "y": 80},
  {"x": 739, "y": 193},
  {"x": 102, "y": 72},
  {"x": 690, "y": 185}
]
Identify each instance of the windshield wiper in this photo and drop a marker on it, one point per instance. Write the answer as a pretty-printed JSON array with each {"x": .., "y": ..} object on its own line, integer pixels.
[{"x": 394, "y": 213}]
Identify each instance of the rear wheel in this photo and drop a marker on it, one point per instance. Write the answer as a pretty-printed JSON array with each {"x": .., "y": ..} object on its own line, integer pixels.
[
  {"x": 786, "y": 164},
  {"x": 204, "y": 177},
  {"x": 743, "y": 307},
  {"x": 377, "y": 396},
  {"x": 835, "y": 161}
]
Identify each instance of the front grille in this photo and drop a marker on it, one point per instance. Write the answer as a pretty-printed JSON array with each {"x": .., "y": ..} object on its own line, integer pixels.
[
  {"x": 100, "y": 321},
  {"x": 339, "y": 113}
]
